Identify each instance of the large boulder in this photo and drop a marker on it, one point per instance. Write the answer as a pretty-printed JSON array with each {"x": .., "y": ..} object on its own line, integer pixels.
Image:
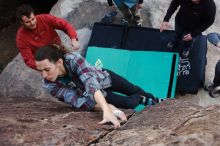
[
  {"x": 17, "y": 80},
  {"x": 28, "y": 122},
  {"x": 172, "y": 123}
]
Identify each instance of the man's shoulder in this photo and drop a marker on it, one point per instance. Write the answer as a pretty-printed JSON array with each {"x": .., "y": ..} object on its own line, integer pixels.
[
  {"x": 43, "y": 17},
  {"x": 208, "y": 6},
  {"x": 21, "y": 33}
]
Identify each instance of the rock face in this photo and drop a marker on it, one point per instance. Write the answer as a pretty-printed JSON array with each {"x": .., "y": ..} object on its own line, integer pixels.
[
  {"x": 169, "y": 124},
  {"x": 23, "y": 81},
  {"x": 33, "y": 122}
]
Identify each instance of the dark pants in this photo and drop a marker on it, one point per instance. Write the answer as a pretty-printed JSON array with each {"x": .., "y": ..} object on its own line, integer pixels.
[
  {"x": 130, "y": 14},
  {"x": 178, "y": 38},
  {"x": 132, "y": 94},
  {"x": 216, "y": 80}
]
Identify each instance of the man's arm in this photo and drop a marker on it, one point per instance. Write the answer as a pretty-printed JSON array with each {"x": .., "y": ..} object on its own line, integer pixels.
[
  {"x": 172, "y": 8},
  {"x": 66, "y": 27},
  {"x": 61, "y": 24},
  {"x": 209, "y": 18}
]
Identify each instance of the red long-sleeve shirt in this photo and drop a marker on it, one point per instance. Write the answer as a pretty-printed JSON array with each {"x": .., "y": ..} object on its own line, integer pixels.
[{"x": 28, "y": 41}]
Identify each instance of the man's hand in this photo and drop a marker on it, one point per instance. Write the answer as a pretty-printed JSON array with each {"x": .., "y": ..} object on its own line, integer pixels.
[
  {"x": 164, "y": 25},
  {"x": 75, "y": 44},
  {"x": 108, "y": 116},
  {"x": 187, "y": 37}
]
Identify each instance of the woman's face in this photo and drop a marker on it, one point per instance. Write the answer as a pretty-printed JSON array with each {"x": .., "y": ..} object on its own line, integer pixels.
[
  {"x": 49, "y": 70},
  {"x": 29, "y": 22}
]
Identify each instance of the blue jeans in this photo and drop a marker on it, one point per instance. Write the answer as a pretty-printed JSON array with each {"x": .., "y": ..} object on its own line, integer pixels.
[{"x": 214, "y": 38}]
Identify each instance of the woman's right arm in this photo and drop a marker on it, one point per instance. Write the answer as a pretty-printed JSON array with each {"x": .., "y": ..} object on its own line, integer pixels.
[{"x": 108, "y": 115}]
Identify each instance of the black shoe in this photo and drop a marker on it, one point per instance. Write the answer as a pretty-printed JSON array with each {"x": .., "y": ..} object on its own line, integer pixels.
[
  {"x": 139, "y": 23},
  {"x": 209, "y": 87},
  {"x": 148, "y": 101},
  {"x": 215, "y": 92},
  {"x": 124, "y": 22}
]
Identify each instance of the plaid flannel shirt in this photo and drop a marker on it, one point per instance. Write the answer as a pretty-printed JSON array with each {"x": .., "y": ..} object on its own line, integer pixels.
[{"x": 82, "y": 81}]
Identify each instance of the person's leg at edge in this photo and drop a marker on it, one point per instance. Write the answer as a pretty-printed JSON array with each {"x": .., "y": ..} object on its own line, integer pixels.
[
  {"x": 214, "y": 88},
  {"x": 216, "y": 80}
]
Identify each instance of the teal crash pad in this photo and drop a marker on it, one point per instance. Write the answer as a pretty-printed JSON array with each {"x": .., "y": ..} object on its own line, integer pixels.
[{"x": 155, "y": 72}]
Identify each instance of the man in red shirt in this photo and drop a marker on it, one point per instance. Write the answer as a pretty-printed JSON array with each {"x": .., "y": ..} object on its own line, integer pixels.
[{"x": 39, "y": 30}]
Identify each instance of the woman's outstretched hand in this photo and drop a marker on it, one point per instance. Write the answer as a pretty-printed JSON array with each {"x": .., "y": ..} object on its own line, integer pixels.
[{"x": 108, "y": 116}]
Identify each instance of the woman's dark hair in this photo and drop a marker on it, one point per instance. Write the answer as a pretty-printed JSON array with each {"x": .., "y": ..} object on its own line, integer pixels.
[
  {"x": 51, "y": 52},
  {"x": 23, "y": 10}
]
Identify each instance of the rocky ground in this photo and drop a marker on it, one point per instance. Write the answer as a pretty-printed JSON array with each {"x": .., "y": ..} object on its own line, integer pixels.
[
  {"x": 33, "y": 122},
  {"x": 28, "y": 116},
  {"x": 175, "y": 122}
]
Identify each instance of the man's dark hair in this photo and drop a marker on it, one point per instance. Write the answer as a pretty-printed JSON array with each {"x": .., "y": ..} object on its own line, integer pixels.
[
  {"x": 51, "y": 52},
  {"x": 24, "y": 10}
]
